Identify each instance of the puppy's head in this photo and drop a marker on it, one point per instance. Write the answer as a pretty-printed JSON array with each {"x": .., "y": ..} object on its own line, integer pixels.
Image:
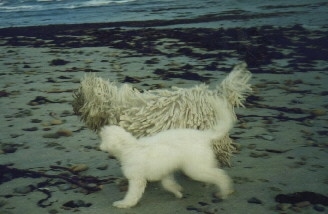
[{"x": 115, "y": 139}]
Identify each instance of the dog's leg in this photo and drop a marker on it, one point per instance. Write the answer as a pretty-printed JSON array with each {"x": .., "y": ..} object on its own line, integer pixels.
[
  {"x": 214, "y": 176},
  {"x": 171, "y": 185},
  {"x": 135, "y": 191}
]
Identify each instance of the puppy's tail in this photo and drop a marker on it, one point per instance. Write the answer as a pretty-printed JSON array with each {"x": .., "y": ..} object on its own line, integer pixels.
[{"x": 225, "y": 120}]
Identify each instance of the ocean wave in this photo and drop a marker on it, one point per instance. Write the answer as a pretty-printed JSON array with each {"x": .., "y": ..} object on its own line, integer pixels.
[
  {"x": 39, "y": 5},
  {"x": 95, "y": 3},
  {"x": 20, "y": 8}
]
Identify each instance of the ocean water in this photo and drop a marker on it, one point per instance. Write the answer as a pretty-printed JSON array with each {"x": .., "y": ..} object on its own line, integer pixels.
[{"x": 225, "y": 13}]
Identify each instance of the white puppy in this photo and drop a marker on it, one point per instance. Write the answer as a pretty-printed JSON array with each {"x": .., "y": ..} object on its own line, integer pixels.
[{"x": 157, "y": 157}]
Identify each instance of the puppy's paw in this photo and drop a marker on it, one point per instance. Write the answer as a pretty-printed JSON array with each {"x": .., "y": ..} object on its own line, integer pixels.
[
  {"x": 122, "y": 204},
  {"x": 178, "y": 194},
  {"x": 224, "y": 194}
]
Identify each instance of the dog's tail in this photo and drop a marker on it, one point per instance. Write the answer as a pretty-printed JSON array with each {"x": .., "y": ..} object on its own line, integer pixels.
[
  {"x": 235, "y": 87},
  {"x": 225, "y": 120}
]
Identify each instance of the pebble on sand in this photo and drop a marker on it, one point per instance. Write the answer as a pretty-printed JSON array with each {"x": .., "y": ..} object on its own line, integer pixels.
[
  {"x": 254, "y": 200},
  {"x": 102, "y": 167},
  {"x": 30, "y": 129},
  {"x": 76, "y": 204},
  {"x": 23, "y": 189},
  {"x": 79, "y": 168},
  {"x": 58, "y": 134},
  {"x": 267, "y": 137},
  {"x": 64, "y": 132},
  {"x": 283, "y": 206},
  {"x": 302, "y": 204},
  {"x": 51, "y": 135},
  {"x": 258, "y": 154},
  {"x": 319, "y": 208},
  {"x": 56, "y": 122},
  {"x": 4, "y": 94},
  {"x": 318, "y": 112},
  {"x": 57, "y": 62},
  {"x": 8, "y": 148}
]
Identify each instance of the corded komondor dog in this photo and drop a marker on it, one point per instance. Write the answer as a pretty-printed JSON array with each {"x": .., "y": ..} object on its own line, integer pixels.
[
  {"x": 99, "y": 103},
  {"x": 157, "y": 157}
]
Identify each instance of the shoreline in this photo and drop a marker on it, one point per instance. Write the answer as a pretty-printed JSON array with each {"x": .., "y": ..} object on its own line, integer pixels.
[
  {"x": 229, "y": 16},
  {"x": 238, "y": 16},
  {"x": 170, "y": 14}
]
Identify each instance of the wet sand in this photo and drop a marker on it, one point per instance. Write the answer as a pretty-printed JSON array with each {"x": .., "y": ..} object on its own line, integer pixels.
[{"x": 282, "y": 132}]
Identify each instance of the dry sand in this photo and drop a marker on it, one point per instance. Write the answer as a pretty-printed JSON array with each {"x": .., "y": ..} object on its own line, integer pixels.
[{"x": 282, "y": 132}]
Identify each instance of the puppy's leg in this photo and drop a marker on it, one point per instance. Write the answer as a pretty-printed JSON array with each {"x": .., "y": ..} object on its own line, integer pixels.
[
  {"x": 171, "y": 185},
  {"x": 214, "y": 176},
  {"x": 224, "y": 183},
  {"x": 135, "y": 191}
]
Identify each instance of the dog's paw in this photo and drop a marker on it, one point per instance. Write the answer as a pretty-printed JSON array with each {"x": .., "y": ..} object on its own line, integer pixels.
[{"x": 122, "y": 204}]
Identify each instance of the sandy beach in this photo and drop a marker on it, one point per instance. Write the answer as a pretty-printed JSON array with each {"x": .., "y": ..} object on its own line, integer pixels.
[{"x": 50, "y": 162}]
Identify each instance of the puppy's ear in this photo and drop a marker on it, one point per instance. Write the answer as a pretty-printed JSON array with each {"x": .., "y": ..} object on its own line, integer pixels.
[{"x": 104, "y": 137}]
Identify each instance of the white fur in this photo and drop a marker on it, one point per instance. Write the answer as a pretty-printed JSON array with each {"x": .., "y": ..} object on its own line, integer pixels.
[{"x": 156, "y": 158}]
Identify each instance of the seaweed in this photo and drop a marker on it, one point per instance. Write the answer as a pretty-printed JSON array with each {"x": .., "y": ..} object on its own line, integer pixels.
[{"x": 312, "y": 197}]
